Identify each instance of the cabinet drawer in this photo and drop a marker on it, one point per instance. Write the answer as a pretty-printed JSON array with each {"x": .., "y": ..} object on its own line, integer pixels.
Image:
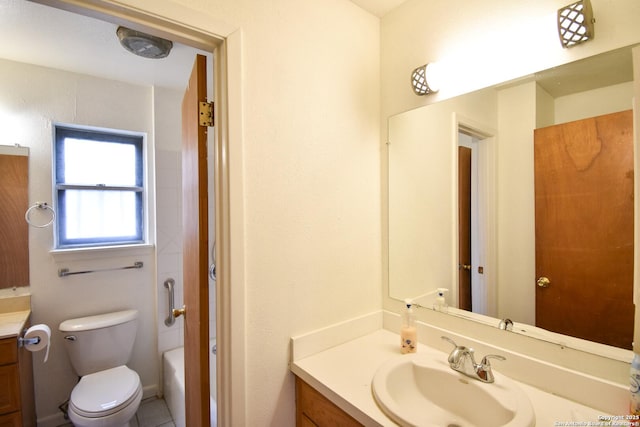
[
  {"x": 9, "y": 389},
  {"x": 8, "y": 351},
  {"x": 11, "y": 420}
]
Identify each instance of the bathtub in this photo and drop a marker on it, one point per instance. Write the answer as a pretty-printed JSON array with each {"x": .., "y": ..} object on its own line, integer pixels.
[{"x": 173, "y": 373}]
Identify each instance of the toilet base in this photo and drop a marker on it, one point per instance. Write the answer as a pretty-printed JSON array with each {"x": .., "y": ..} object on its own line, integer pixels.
[{"x": 121, "y": 418}]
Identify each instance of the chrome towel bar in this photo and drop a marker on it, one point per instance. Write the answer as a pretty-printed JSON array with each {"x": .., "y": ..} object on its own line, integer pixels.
[{"x": 63, "y": 272}]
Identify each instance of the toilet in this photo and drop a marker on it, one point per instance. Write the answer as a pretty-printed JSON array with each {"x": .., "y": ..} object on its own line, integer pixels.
[{"x": 108, "y": 393}]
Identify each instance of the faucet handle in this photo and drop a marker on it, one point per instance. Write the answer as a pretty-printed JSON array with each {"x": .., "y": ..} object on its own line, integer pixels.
[
  {"x": 459, "y": 348},
  {"x": 483, "y": 370},
  {"x": 485, "y": 360},
  {"x": 450, "y": 341}
]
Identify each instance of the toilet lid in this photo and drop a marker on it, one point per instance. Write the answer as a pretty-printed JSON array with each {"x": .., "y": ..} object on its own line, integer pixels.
[{"x": 104, "y": 392}]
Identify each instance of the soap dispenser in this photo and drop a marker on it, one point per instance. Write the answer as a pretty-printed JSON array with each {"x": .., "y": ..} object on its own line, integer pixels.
[
  {"x": 634, "y": 403},
  {"x": 408, "y": 332},
  {"x": 440, "y": 303}
]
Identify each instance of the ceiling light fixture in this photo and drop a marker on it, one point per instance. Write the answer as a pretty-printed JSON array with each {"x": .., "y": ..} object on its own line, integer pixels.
[
  {"x": 144, "y": 45},
  {"x": 575, "y": 23},
  {"x": 425, "y": 79}
]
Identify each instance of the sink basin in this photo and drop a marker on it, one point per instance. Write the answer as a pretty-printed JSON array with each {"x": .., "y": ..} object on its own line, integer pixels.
[{"x": 419, "y": 389}]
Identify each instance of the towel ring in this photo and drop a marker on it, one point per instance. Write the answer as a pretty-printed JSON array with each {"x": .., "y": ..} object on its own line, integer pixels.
[{"x": 43, "y": 206}]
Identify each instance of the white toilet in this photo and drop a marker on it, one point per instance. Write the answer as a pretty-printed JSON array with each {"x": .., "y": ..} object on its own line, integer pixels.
[{"x": 108, "y": 393}]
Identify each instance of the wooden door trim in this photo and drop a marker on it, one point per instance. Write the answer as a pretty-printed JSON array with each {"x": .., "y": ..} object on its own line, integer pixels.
[{"x": 487, "y": 167}]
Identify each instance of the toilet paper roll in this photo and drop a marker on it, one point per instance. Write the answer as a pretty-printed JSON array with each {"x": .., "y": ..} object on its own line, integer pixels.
[{"x": 43, "y": 332}]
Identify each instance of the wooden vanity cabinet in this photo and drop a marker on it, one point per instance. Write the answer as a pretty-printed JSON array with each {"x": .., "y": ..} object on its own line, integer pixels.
[
  {"x": 17, "y": 406},
  {"x": 313, "y": 409}
]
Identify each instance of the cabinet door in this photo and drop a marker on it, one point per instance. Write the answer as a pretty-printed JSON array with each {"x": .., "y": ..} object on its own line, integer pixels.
[
  {"x": 9, "y": 389},
  {"x": 8, "y": 351},
  {"x": 11, "y": 420},
  {"x": 313, "y": 409}
]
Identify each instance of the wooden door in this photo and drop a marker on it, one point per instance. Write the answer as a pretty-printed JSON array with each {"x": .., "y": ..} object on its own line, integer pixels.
[
  {"x": 584, "y": 228},
  {"x": 195, "y": 251},
  {"x": 464, "y": 228},
  {"x": 14, "y": 230}
]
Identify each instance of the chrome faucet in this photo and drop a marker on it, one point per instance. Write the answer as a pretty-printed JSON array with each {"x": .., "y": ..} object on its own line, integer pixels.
[{"x": 461, "y": 359}]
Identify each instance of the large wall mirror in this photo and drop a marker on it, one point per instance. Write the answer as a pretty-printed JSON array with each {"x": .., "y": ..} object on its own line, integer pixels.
[
  {"x": 14, "y": 230},
  {"x": 467, "y": 213}
]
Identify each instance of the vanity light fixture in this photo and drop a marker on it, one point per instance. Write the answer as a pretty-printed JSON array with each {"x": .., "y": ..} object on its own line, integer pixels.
[
  {"x": 425, "y": 79},
  {"x": 575, "y": 23}
]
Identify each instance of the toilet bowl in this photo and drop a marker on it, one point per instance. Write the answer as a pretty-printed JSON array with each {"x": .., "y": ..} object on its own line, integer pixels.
[
  {"x": 108, "y": 393},
  {"x": 106, "y": 398}
]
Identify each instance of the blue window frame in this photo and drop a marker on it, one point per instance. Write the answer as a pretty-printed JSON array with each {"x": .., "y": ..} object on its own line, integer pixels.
[{"x": 99, "y": 187}]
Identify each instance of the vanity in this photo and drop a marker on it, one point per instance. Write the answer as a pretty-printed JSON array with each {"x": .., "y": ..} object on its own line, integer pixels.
[
  {"x": 335, "y": 368},
  {"x": 17, "y": 404}
]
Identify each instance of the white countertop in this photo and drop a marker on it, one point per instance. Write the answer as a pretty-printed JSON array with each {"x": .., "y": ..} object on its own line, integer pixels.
[
  {"x": 12, "y": 323},
  {"x": 343, "y": 373}
]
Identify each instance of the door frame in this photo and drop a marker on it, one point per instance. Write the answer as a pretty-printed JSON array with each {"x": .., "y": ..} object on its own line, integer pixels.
[
  {"x": 487, "y": 170},
  {"x": 225, "y": 42}
]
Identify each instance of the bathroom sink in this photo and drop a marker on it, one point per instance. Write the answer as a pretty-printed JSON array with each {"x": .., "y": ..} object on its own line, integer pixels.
[{"x": 421, "y": 390}]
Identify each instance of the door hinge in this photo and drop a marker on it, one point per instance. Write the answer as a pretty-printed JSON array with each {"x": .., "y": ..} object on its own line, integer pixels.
[{"x": 206, "y": 113}]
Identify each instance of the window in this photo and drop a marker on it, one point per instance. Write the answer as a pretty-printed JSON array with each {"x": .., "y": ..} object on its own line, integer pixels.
[{"x": 99, "y": 187}]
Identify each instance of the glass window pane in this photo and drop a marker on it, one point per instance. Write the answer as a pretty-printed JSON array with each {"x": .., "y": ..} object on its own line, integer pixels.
[
  {"x": 96, "y": 162},
  {"x": 94, "y": 214}
]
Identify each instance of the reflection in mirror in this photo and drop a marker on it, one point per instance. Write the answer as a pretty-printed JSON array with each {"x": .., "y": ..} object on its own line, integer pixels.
[
  {"x": 494, "y": 130},
  {"x": 14, "y": 233}
]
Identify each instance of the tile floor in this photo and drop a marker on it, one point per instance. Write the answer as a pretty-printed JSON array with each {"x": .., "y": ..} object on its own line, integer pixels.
[{"x": 153, "y": 412}]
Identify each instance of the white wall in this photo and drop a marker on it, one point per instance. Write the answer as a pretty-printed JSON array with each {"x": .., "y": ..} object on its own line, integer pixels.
[
  {"x": 168, "y": 169},
  {"x": 311, "y": 182},
  {"x": 31, "y": 98},
  {"x": 593, "y": 103},
  {"x": 423, "y": 158},
  {"x": 168, "y": 161},
  {"x": 516, "y": 229}
]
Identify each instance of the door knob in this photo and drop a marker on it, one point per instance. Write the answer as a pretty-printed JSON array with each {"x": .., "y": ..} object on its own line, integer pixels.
[
  {"x": 465, "y": 267},
  {"x": 543, "y": 282},
  {"x": 177, "y": 312}
]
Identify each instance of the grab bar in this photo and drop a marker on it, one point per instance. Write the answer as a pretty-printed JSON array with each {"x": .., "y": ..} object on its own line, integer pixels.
[{"x": 170, "y": 320}]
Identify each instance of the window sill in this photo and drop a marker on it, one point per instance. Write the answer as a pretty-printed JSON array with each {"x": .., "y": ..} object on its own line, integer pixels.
[{"x": 75, "y": 254}]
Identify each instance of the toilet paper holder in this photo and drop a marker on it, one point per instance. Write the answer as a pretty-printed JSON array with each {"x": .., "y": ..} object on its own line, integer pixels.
[{"x": 22, "y": 341}]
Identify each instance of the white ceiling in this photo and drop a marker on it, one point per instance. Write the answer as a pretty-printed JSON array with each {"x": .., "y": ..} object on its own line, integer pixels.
[
  {"x": 42, "y": 35},
  {"x": 378, "y": 7}
]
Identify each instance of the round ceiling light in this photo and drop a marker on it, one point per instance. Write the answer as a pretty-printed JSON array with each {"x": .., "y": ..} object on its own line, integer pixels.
[{"x": 144, "y": 45}]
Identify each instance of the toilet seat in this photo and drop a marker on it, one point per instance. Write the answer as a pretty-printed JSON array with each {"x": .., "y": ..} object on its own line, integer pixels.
[{"x": 106, "y": 392}]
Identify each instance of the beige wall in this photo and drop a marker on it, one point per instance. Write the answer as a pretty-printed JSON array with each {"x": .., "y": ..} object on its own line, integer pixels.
[
  {"x": 307, "y": 173},
  {"x": 311, "y": 183}
]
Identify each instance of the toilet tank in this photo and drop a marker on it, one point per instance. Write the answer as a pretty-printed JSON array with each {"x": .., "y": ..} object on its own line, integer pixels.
[{"x": 103, "y": 341}]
